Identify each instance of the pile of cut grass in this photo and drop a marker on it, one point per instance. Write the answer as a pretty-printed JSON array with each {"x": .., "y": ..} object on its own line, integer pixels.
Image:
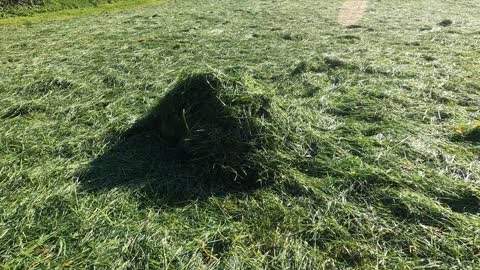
[{"x": 223, "y": 126}]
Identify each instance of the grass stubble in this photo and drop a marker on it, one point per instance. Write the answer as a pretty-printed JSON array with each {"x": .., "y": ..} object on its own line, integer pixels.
[{"x": 376, "y": 138}]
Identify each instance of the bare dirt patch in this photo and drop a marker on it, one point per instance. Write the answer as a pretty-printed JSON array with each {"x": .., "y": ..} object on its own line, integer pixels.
[{"x": 351, "y": 12}]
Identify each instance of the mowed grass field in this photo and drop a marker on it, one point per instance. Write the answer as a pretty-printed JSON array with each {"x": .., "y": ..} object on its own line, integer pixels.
[
  {"x": 62, "y": 9},
  {"x": 378, "y": 150},
  {"x": 12, "y": 8}
]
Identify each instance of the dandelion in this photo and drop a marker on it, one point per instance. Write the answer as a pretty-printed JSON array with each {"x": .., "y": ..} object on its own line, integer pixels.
[{"x": 459, "y": 131}]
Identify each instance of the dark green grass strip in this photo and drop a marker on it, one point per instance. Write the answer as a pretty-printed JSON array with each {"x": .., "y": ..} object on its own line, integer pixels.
[{"x": 72, "y": 13}]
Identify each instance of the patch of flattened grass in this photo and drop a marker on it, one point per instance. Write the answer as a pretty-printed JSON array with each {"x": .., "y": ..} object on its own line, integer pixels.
[
  {"x": 22, "y": 109},
  {"x": 349, "y": 39},
  {"x": 45, "y": 86},
  {"x": 415, "y": 207},
  {"x": 467, "y": 202},
  {"x": 112, "y": 81}
]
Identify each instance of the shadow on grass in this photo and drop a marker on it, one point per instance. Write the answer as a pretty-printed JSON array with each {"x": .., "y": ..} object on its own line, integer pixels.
[
  {"x": 158, "y": 172},
  {"x": 199, "y": 141}
]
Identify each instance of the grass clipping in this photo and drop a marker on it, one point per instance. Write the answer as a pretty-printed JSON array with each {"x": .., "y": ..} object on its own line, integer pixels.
[{"x": 225, "y": 127}]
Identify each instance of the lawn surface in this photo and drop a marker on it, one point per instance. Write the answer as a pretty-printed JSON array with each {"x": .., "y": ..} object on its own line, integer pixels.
[
  {"x": 15, "y": 8},
  {"x": 380, "y": 161},
  {"x": 62, "y": 10}
]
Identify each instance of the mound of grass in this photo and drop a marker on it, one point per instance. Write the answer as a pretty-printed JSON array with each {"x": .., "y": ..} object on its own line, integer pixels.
[
  {"x": 222, "y": 126},
  {"x": 20, "y": 110}
]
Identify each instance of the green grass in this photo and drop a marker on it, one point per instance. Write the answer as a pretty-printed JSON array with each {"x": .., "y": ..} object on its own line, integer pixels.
[
  {"x": 377, "y": 138},
  {"x": 27, "y": 8},
  {"x": 64, "y": 10}
]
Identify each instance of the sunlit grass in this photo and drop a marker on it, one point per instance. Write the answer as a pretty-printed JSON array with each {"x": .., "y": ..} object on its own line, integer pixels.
[
  {"x": 71, "y": 13},
  {"x": 371, "y": 133}
]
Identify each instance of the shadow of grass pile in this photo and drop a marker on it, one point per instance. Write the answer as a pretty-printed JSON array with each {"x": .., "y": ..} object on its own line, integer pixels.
[
  {"x": 222, "y": 126},
  {"x": 473, "y": 135},
  {"x": 468, "y": 134}
]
